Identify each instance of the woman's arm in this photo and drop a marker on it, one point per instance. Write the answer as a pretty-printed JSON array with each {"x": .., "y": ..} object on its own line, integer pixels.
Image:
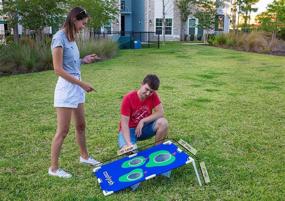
[{"x": 57, "y": 58}]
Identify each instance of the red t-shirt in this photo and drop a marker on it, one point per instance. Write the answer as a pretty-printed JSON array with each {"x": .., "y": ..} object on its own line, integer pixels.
[{"x": 138, "y": 109}]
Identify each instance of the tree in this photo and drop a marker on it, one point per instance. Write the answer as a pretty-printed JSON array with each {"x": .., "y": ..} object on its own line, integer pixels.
[
  {"x": 33, "y": 14},
  {"x": 245, "y": 8},
  {"x": 11, "y": 11},
  {"x": 37, "y": 14},
  {"x": 273, "y": 19},
  {"x": 163, "y": 20},
  {"x": 185, "y": 10},
  {"x": 234, "y": 18},
  {"x": 206, "y": 11},
  {"x": 166, "y": 6},
  {"x": 101, "y": 11}
]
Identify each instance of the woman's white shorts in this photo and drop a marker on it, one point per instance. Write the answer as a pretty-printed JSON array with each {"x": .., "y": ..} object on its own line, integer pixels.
[{"x": 67, "y": 94}]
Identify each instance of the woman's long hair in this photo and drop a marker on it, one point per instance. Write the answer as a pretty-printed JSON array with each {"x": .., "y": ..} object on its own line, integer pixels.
[{"x": 69, "y": 26}]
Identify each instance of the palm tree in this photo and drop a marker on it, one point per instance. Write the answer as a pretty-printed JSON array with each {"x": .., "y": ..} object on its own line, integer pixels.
[
  {"x": 245, "y": 8},
  {"x": 185, "y": 11}
]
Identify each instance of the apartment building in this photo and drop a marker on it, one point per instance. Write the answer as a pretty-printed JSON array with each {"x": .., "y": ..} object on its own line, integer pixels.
[{"x": 146, "y": 16}]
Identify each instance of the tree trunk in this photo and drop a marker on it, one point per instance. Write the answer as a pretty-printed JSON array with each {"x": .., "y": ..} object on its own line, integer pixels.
[
  {"x": 238, "y": 21},
  {"x": 205, "y": 36},
  {"x": 16, "y": 34},
  {"x": 246, "y": 21},
  {"x": 16, "y": 30},
  {"x": 182, "y": 31},
  {"x": 163, "y": 20},
  {"x": 39, "y": 35},
  {"x": 234, "y": 16}
]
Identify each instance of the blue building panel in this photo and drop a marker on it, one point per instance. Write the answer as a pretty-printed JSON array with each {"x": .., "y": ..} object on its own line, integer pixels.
[
  {"x": 138, "y": 15},
  {"x": 132, "y": 15}
]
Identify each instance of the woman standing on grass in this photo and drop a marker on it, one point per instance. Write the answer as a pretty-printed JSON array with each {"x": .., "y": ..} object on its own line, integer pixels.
[{"x": 69, "y": 95}]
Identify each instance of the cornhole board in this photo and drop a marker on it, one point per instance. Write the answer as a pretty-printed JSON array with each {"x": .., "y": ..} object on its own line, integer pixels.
[{"x": 146, "y": 164}]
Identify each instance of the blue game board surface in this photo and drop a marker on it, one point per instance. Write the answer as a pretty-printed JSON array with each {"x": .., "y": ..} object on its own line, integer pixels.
[{"x": 146, "y": 164}]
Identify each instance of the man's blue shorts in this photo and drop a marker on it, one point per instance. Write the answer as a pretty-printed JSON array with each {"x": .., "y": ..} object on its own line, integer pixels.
[{"x": 148, "y": 131}]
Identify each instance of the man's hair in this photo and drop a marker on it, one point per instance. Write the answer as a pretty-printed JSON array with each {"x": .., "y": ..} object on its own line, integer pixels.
[
  {"x": 69, "y": 26},
  {"x": 152, "y": 81}
]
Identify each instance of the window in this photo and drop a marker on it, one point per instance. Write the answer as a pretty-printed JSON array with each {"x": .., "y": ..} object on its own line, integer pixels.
[
  {"x": 158, "y": 24},
  {"x": 168, "y": 26},
  {"x": 123, "y": 5},
  {"x": 220, "y": 22}
]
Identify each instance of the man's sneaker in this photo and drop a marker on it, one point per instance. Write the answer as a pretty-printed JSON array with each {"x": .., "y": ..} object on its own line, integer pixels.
[
  {"x": 166, "y": 174},
  {"x": 89, "y": 161},
  {"x": 59, "y": 173}
]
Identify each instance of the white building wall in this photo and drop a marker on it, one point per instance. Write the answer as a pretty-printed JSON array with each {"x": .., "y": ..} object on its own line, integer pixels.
[
  {"x": 2, "y": 30},
  {"x": 169, "y": 6},
  {"x": 170, "y": 12}
]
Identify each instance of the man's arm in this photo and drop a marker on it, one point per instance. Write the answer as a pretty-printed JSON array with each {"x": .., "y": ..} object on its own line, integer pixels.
[
  {"x": 158, "y": 113},
  {"x": 125, "y": 129}
]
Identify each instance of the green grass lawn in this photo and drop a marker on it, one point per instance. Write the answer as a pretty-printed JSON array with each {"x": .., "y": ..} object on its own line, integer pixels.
[{"x": 229, "y": 105}]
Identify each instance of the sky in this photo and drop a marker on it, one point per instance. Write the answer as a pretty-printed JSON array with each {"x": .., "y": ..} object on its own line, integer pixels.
[{"x": 261, "y": 5}]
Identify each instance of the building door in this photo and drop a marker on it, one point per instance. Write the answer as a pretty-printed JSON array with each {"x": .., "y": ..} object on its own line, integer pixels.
[{"x": 122, "y": 25}]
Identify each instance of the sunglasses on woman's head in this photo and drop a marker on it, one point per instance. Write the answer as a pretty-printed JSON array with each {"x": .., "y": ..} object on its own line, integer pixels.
[{"x": 82, "y": 14}]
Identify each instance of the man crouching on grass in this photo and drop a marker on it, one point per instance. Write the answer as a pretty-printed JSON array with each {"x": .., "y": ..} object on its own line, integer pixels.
[{"x": 142, "y": 115}]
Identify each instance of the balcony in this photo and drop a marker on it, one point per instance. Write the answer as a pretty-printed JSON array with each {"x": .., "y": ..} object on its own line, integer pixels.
[{"x": 124, "y": 9}]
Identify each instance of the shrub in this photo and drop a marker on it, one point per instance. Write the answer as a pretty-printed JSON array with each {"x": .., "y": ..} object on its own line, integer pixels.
[
  {"x": 240, "y": 41},
  {"x": 104, "y": 48},
  {"x": 24, "y": 57},
  {"x": 231, "y": 40},
  {"x": 211, "y": 38},
  {"x": 277, "y": 47},
  {"x": 219, "y": 40},
  {"x": 27, "y": 41},
  {"x": 31, "y": 56},
  {"x": 256, "y": 42},
  {"x": 9, "y": 39},
  {"x": 281, "y": 34},
  {"x": 45, "y": 61}
]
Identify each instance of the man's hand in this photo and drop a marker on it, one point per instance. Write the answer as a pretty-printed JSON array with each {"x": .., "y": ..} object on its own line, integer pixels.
[
  {"x": 127, "y": 149},
  {"x": 139, "y": 128}
]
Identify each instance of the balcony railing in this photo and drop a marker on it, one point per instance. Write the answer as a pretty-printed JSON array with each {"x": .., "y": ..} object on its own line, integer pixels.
[{"x": 125, "y": 9}]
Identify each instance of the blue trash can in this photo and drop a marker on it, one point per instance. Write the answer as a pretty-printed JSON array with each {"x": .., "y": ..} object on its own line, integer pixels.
[{"x": 137, "y": 44}]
